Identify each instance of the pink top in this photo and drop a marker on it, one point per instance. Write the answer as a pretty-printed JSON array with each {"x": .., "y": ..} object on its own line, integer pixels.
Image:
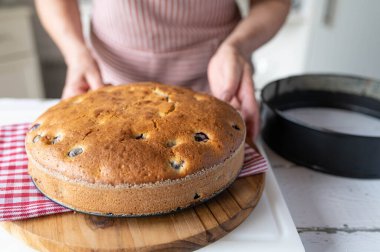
[{"x": 169, "y": 41}]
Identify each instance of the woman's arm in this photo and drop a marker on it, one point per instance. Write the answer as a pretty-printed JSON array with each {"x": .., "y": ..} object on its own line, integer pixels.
[
  {"x": 230, "y": 69},
  {"x": 61, "y": 19},
  {"x": 264, "y": 20}
]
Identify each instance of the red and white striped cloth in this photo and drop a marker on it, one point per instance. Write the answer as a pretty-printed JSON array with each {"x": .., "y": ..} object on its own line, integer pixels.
[
  {"x": 168, "y": 41},
  {"x": 20, "y": 199}
]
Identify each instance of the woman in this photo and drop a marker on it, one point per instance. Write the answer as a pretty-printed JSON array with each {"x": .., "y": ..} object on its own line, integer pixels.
[{"x": 201, "y": 44}]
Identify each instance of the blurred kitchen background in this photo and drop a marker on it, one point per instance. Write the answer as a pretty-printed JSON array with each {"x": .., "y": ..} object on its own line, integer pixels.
[{"x": 334, "y": 36}]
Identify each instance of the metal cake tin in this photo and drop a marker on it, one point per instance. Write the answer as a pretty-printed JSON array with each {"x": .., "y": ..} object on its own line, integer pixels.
[{"x": 318, "y": 148}]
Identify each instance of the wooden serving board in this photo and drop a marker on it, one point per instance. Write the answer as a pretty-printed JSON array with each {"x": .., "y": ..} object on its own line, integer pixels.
[{"x": 186, "y": 230}]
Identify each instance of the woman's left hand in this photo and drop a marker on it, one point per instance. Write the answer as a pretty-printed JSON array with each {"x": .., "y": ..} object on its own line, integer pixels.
[{"x": 230, "y": 78}]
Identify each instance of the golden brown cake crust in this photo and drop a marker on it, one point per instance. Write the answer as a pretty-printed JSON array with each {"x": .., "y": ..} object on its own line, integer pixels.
[
  {"x": 138, "y": 199},
  {"x": 134, "y": 134}
]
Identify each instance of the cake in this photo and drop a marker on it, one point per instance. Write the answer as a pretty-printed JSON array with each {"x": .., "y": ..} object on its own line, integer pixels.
[{"x": 137, "y": 149}]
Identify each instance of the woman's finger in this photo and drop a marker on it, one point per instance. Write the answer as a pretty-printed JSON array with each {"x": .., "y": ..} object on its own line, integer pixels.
[
  {"x": 224, "y": 73},
  {"x": 73, "y": 89},
  {"x": 94, "y": 78},
  {"x": 71, "y": 93},
  {"x": 235, "y": 103},
  {"x": 249, "y": 107}
]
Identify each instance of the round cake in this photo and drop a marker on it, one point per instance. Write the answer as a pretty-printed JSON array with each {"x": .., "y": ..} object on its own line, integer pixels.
[{"x": 137, "y": 149}]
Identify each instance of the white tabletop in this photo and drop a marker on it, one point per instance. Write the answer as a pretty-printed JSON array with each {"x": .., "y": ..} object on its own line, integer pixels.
[{"x": 331, "y": 213}]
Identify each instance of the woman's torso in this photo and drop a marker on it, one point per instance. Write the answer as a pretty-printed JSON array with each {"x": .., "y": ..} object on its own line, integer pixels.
[{"x": 169, "y": 41}]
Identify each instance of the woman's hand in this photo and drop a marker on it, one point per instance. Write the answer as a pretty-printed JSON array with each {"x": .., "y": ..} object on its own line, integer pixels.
[
  {"x": 230, "y": 78},
  {"x": 62, "y": 21},
  {"x": 230, "y": 70},
  {"x": 83, "y": 74}
]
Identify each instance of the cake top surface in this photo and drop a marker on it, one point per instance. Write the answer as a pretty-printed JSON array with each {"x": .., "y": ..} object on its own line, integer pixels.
[{"x": 136, "y": 133}]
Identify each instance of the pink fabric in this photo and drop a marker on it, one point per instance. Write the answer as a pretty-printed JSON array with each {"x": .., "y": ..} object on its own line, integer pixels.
[{"x": 168, "y": 41}]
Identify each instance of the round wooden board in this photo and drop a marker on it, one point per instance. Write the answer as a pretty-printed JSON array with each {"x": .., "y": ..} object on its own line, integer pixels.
[{"x": 186, "y": 230}]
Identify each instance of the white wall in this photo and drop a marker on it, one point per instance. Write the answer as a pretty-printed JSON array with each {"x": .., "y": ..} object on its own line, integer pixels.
[
  {"x": 350, "y": 42},
  {"x": 325, "y": 36},
  {"x": 286, "y": 53}
]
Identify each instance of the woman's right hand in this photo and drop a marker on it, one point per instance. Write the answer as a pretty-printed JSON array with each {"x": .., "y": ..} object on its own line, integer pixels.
[{"x": 83, "y": 74}]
